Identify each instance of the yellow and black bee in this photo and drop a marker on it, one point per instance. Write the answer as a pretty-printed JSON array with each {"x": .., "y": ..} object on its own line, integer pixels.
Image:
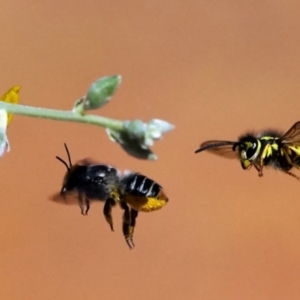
[
  {"x": 268, "y": 148},
  {"x": 133, "y": 192}
]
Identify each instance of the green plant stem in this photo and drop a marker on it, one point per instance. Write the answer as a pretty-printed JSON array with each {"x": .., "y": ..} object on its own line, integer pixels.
[{"x": 61, "y": 115}]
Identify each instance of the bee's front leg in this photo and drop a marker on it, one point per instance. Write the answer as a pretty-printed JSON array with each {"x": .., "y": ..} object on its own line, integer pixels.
[
  {"x": 84, "y": 203},
  {"x": 259, "y": 169}
]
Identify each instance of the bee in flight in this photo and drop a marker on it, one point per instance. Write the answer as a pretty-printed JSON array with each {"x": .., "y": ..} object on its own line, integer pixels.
[
  {"x": 133, "y": 192},
  {"x": 268, "y": 148}
]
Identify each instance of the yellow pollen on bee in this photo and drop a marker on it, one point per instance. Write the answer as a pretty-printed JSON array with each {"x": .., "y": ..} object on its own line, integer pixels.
[{"x": 146, "y": 204}]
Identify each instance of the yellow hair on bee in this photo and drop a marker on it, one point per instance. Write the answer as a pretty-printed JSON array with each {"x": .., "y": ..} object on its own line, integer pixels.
[{"x": 146, "y": 204}]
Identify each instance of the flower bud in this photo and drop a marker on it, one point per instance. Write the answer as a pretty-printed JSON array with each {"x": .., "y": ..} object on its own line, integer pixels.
[{"x": 101, "y": 91}]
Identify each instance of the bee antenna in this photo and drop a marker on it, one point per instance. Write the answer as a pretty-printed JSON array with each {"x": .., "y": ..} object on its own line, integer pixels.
[
  {"x": 69, "y": 158},
  {"x": 60, "y": 159}
]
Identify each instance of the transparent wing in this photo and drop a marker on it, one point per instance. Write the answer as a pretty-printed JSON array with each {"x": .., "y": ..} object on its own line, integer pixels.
[
  {"x": 92, "y": 162},
  {"x": 220, "y": 148},
  {"x": 87, "y": 162},
  {"x": 293, "y": 135},
  {"x": 70, "y": 198}
]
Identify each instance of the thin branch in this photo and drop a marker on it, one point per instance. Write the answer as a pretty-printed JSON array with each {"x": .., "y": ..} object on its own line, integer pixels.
[{"x": 61, "y": 115}]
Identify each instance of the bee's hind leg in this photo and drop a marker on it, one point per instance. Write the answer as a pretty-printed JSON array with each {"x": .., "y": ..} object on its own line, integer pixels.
[
  {"x": 133, "y": 216},
  {"x": 127, "y": 228},
  {"x": 292, "y": 174}
]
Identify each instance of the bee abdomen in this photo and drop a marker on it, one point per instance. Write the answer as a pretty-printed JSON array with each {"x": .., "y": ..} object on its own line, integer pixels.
[{"x": 140, "y": 185}]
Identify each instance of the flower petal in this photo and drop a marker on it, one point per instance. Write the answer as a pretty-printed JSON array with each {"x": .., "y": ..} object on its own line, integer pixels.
[{"x": 11, "y": 96}]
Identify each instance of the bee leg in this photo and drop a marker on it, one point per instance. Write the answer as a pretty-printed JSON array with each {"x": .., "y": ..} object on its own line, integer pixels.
[
  {"x": 288, "y": 158},
  {"x": 292, "y": 174},
  {"x": 292, "y": 164},
  {"x": 83, "y": 202},
  {"x": 259, "y": 170},
  {"x": 295, "y": 166},
  {"x": 109, "y": 203},
  {"x": 87, "y": 203},
  {"x": 127, "y": 225},
  {"x": 133, "y": 216}
]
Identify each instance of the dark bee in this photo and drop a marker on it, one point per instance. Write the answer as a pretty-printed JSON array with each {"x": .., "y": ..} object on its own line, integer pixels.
[
  {"x": 133, "y": 192},
  {"x": 269, "y": 148},
  {"x": 138, "y": 193}
]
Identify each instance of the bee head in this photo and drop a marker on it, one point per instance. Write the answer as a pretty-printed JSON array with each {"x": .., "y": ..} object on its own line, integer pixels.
[
  {"x": 69, "y": 168},
  {"x": 249, "y": 149}
]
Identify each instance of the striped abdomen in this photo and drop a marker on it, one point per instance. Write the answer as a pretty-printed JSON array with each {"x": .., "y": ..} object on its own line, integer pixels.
[{"x": 142, "y": 193}]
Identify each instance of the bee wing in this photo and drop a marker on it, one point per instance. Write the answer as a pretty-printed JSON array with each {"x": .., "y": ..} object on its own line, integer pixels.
[
  {"x": 92, "y": 162},
  {"x": 293, "y": 135},
  {"x": 69, "y": 199},
  {"x": 87, "y": 162},
  {"x": 220, "y": 148}
]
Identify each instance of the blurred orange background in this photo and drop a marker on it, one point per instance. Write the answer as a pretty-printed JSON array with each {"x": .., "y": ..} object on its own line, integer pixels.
[{"x": 214, "y": 69}]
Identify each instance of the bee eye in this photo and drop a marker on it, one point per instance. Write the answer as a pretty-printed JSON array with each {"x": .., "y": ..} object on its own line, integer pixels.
[{"x": 251, "y": 149}]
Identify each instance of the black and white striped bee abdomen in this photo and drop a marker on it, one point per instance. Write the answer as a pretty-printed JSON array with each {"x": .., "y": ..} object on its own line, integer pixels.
[{"x": 139, "y": 185}]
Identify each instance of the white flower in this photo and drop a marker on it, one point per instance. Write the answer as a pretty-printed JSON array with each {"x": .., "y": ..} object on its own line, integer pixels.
[
  {"x": 137, "y": 137},
  {"x": 155, "y": 129},
  {"x": 4, "y": 143}
]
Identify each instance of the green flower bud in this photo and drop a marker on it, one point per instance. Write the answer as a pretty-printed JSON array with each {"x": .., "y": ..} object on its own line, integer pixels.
[
  {"x": 101, "y": 91},
  {"x": 131, "y": 145}
]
